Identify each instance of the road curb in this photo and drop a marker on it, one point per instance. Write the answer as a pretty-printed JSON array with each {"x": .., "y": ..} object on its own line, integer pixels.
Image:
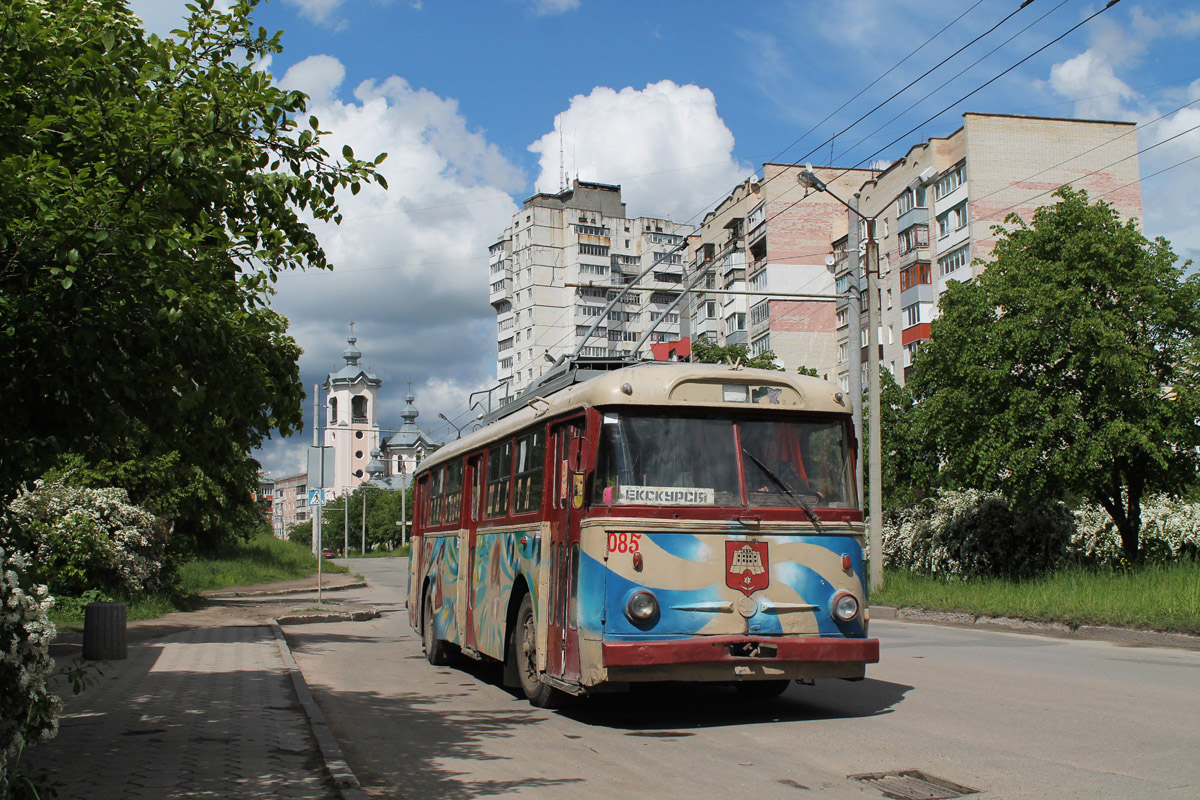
[
  {"x": 219, "y": 595},
  {"x": 344, "y": 780},
  {"x": 308, "y": 618},
  {"x": 1106, "y": 633}
]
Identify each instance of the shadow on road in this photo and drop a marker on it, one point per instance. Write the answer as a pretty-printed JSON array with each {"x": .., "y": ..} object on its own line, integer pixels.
[
  {"x": 654, "y": 708},
  {"x": 431, "y": 739}
]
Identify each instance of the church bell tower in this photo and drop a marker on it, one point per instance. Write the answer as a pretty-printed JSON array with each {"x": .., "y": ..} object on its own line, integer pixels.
[{"x": 351, "y": 426}]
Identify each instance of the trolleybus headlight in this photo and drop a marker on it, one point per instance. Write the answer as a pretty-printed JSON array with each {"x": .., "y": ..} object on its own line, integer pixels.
[
  {"x": 642, "y": 607},
  {"x": 844, "y": 607}
]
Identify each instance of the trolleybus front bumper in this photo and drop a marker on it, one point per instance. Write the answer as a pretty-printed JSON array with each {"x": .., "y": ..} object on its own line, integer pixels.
[{"x": 741, "y": 650}]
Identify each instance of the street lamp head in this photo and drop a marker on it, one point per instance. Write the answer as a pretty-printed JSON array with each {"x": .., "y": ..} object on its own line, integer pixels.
[
  {"x": 809, "y": 178},
  {"x": 443, "y": 416}
]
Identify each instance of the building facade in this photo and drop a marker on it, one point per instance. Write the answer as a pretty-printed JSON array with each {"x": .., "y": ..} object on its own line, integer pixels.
[
  {"x": 937, "y": 205},
  {"x": 290, "y": 506},
  {"x": 552, "y": 272},
  {"x": 765, "y": 243}
]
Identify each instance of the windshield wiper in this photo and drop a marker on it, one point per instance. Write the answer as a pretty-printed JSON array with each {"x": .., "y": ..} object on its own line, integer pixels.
[{"x": 808, "y": 510}]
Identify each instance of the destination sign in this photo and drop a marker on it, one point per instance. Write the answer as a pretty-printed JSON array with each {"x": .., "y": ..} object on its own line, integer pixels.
[{"x": 666, "y": 496}]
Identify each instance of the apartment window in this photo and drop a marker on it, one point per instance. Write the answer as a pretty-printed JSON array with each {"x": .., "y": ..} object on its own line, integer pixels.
[
  {"x": 760, "y": 312},
  {"x": 950, "y": 181},
  {"x": 506, "y": 363},
  {"x": 505, "y": 344},
  {"x": 590, "y": 230},
  {"x": 913, "y": 237},
  {"x": 759, "y": 282},
  {"x": 760, "y": 345},
  {"x": 710, "y": 309},
  {"x": 953, "y": 261},
  {"x": 843, "y": 315},
  {"x": 735, "y": 322},
  {"x": 912, "y": 315},
  {"x": 662, "y": 297},
  {"x": 843, "y": 283},
  {"x": 842, "y": 351},
  {"x": 668, "y": 258},
  {"x": 668, "y": 277},
  {"x": 670, "y": 319},
  {"x": 913, "y": 198},
  {"x": 915, "y": 275},
  {"x": 590, "y": 311},
  {"x": 889, "y": 298},
  {"x": 593, "y": 250},
  {"x": 891, "y": 334}
]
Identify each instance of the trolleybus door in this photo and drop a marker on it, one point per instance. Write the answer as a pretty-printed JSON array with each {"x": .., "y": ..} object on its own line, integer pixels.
[
  {"x": 562, "y": 654},
  {"x": 473, "y": 489}
]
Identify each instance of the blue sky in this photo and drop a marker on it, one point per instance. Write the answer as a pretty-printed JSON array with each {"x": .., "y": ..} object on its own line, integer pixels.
[{"x": 676, "y": 101}]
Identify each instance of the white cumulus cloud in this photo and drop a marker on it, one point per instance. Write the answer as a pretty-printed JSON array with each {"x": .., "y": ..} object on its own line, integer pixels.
[
  {"x": 410, "y": 263},
  {"x": 666, "y": 146}
]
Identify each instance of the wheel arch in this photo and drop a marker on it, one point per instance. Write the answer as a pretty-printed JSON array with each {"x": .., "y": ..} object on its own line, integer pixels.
[{"x": 520, "y": 588}]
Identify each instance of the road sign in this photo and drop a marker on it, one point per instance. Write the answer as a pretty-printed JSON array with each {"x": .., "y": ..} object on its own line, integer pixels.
[
  {"x": 320, "y": 467},
  {"x": 316, "y": 497}
]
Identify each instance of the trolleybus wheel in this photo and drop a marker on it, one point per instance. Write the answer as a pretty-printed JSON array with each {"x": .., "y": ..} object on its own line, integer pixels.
[
  {"x": 524, "y": 653},
  {"x": 435, "y": 649},
  {"x": 761, "y": 690}
]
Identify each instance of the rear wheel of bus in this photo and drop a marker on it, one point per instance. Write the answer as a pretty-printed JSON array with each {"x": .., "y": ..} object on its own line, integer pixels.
[
  {"x": 524, "y": 654},
  {"x": 436, "y": 650}
]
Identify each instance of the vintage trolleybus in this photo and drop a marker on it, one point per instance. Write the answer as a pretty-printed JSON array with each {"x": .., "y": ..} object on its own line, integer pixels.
[{"x": 662, "y": 522}]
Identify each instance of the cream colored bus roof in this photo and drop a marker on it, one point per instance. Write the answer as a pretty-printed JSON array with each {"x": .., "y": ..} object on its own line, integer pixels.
[{"x": 666, "y": 385}]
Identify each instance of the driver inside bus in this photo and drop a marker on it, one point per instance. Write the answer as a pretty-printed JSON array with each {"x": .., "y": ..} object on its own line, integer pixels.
[{"x": 765, "y": 451}]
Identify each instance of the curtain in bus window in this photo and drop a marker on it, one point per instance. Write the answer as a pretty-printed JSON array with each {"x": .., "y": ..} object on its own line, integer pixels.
[
  {"x": 435, "y": 496},
  {"x": 787, "y": 460},
  {"x": 499, "y": 471},
  {"x": 530, "y": 463},
  {"x": 454, "y": 476}
]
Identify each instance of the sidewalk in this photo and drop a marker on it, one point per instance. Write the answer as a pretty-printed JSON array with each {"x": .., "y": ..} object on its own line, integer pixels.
[{"x": 205, "y": 706}]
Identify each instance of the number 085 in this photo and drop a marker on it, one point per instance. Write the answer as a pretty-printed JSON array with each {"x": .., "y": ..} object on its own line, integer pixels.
[{"x": 623, "y": 542}]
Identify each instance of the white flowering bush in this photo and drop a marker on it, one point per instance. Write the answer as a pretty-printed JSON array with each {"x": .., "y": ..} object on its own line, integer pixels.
[
  {"x": 1170, "y": 529},
  {"x": 83, "y": 539},
  {"x": 28, "y": 707},
  {"x": 970, "y": 533}
]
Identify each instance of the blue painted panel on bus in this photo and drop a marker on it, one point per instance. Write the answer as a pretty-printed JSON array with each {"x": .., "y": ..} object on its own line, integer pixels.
[
  {"x": 499, "y": 559},
  {"x": 441, "y": 558}
]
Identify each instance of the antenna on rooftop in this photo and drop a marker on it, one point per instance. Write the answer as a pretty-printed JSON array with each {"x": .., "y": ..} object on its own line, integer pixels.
[{"x": 562, "y": 164}]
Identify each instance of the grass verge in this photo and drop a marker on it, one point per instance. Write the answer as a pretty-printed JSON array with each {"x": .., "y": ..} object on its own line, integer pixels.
[
  {"x": 1159, "y": 596},
  {"x": 263, "y": 559},
  {"x": 399, "y": 551}
]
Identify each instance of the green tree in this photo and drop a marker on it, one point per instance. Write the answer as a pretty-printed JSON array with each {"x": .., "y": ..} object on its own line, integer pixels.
[
  {"x": 151, "y": 192},
  {"x": 706, "y": 352},
  {"x": 1069, "y": 368},
  {"x": 909, "y": 466},
  {"x": 383, "y": 512}
]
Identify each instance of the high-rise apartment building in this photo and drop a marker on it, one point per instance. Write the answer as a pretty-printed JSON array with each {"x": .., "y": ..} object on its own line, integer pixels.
[
  {"x": 552, "y": 272},
  {"x": 761, "y": 246},
  {"x": 936, "y": 206}
]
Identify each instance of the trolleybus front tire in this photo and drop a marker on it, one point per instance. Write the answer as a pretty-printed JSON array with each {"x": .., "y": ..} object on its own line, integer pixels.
[
  {"x": 762, "y": 690},
  {"x": 436, "y": 650},
  {"x": 523, "y": 645}
]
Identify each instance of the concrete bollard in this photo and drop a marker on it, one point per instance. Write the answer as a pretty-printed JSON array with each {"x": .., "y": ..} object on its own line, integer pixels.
[{"x": 104, "y": 632}]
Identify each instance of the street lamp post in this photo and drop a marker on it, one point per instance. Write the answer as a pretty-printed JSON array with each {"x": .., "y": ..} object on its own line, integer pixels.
[
  {"x": 874, "y": 445},
  {"x": 457, "y": 428}
]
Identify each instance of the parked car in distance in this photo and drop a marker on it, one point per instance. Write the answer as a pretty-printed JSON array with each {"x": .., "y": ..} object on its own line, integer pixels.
[{"x": 329, "y": 552}]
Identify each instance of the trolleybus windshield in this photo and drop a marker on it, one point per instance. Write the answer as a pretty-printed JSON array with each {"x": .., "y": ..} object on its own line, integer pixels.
[{"x": 669, "y": 459}]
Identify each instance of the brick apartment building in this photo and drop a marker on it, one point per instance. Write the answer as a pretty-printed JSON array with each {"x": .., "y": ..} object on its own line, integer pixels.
[{"x": 937, "y": 205}]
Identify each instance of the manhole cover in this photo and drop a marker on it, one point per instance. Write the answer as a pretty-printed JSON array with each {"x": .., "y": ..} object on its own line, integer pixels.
[{"x": 912, "y": 784}]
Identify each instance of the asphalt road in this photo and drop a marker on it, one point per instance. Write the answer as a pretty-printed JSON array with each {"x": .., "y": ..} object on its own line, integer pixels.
[{"x": 1012, "y": 715}]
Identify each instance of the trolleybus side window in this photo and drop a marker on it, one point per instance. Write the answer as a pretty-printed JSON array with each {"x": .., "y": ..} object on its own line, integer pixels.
[
  {"x": 498, "y": 473},
  {"x": 454, "y": 476},
  {"x": 530, "y": 464},
  {"x": 435, "y": 497}
]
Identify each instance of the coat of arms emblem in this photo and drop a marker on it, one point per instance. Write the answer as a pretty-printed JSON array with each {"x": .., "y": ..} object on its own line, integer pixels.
[{"x": 747, "y": 568}]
